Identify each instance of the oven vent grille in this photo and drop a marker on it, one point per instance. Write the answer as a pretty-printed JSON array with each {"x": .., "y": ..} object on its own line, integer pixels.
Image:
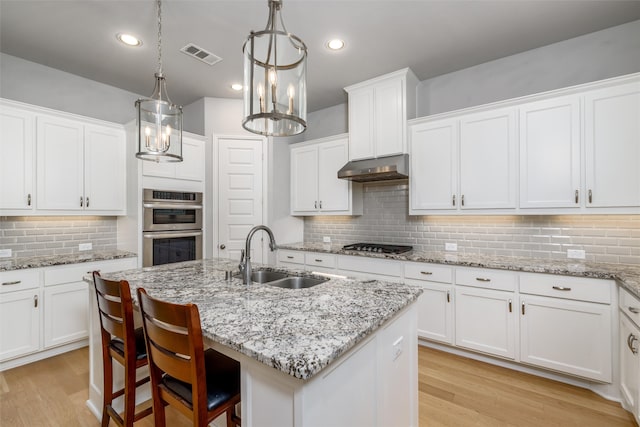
[{"x": 200, "y": 54}]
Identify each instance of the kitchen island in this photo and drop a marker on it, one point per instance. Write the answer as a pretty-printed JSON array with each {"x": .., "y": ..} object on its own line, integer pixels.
[{"x": 340, "y": 353}]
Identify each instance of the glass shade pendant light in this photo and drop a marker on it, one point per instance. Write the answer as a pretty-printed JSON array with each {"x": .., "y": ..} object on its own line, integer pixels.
[
  {"x": 275, "y": 76},
  {"x": 158, "y": 120}
]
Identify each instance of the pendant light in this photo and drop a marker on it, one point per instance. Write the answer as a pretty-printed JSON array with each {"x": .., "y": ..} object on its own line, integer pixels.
[
  {"x": 275, "y": 75},
  {"x": 158, "y": 120}
]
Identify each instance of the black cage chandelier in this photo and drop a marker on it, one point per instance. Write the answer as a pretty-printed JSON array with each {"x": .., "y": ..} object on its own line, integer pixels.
[
  {"x": 158, "y": 120},
  {"x": 275, "y": 75}
]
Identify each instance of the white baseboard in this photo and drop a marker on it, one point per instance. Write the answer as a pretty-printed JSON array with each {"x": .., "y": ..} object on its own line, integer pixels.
[{"x": 44, "y": 354}]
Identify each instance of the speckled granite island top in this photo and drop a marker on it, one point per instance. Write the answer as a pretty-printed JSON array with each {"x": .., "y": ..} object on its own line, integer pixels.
[
  {"x": 51, "y": 260},
  {"x": 627, "y": 275},
  {"x": 297, "y": 331}
]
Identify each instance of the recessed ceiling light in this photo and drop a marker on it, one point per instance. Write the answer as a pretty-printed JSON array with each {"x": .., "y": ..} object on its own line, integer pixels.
[
  {"x": 236, "y": 86},
  {"x": 335, "y": 44},
  {"x": 128, "y": 39}
]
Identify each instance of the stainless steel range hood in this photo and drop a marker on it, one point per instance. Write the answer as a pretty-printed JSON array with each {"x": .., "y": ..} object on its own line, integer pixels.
[{"x": 380, "y": 169}]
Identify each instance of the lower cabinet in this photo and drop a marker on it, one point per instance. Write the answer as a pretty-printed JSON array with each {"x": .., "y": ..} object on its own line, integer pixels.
[
  {"x": 485, "y": 321},
  {"x": 20, "y": 313},
  {"x": 65, "y": 313},
  {"x": 629, "y": 342}
]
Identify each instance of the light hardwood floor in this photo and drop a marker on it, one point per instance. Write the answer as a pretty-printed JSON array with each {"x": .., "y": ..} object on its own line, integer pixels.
[{"x": 453, "y": 391}]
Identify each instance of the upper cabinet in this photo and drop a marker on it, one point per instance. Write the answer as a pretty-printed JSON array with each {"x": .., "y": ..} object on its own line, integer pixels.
[
  {"x": 80, "y": 167},
  {"x": 612, "y": 146},
  {"x": 315, "y": 187},
  {"x": 191, "y": 168},
  {"x": 378, "y": 112},
  {"x": 550, "y": 153},
  {"x": 56, "y": 163},
  {"x": 573, "y": 151},
  {"x": 17, "y": 160}
]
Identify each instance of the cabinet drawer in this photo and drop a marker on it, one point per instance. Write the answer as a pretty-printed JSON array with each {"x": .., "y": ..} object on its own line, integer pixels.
[
  {"x": 630, "y": 306},
  {"x": 320, "y": 260},
  {"x": 17, "y": 280},
  {"x": 370, "y": 266},
  {"x": 486, "y": 278},
  {"x": 293, "y": 257},
  {"x": 574, "y": 288},
  {"x": 428, "y": 272},
  {"x": 76, "y": 272}
]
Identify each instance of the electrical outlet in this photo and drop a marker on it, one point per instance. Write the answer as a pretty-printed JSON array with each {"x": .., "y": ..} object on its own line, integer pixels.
[
  {"x": 85, "y": 246},
  {"x": 326, "y": 239},
  {"x": 5, "y": 253},
  {"x": 575, "y": 253},
  {"x": 450, "y": 246}
]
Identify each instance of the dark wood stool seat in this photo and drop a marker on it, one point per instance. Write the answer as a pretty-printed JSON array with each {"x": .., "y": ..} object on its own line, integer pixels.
[
  {"x": 123, "y": 343},
  {"x": 201, "y": 384}
]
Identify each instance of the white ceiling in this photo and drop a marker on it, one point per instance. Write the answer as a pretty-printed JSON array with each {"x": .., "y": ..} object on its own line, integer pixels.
[{"x": 431, "y": 37}]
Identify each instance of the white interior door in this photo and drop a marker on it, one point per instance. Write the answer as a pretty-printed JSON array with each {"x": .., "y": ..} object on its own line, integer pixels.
[{"x": 240, "y": 195}]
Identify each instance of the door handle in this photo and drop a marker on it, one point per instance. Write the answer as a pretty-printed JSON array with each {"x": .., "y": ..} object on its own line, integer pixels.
[
  {"x": 634, "y": 310},
  {"x": 29, "y": 199},
  {"x": 577, "y": 198},
  {"x": 223, "y": 246},
  {"x": 81, "y": 201},
  {"x": 510, "y": 306},
  {"x": 87, "y": 202}
]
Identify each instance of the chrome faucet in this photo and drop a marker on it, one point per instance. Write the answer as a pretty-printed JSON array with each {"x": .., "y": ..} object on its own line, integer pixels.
[{"x": 245, "y": 257}]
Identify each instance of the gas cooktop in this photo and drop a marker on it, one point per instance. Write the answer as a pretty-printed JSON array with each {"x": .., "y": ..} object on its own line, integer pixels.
[{"x": 377, "y": 248}]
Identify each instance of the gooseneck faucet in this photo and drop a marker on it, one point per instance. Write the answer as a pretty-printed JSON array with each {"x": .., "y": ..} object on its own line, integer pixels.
[{"x": 245, "y": 259}]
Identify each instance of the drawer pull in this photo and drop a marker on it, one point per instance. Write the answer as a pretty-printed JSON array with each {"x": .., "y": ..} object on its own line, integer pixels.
[
  {"x": 289, "y": 257},
  {"x": 318, "y": 260},
  {"x": 426, "y": 273},
  {"x": 448, "y": 296},
  {"x": 634, "y": 310},
  {"x": 15, "y": 282},
  {"x": 510, "y": 306},
  {"x": 483, "y": 279},
  {"x": 561, "y": 288},
  {"x": 631, "y": 339}
]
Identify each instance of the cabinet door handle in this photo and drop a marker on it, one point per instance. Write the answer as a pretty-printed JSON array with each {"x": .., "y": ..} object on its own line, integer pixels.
[
  {"x": 448, "y": 296},
  {"x": 29, "y": 199},
  {"x": 315, "y": 205},
  {"x": 320, "y": 204},
  {"x": 634, "y": 310},
  {"x": 590, "y": 196},
  {"x": 631, "y": 339},
  {"x": 462, "y": 200},
  {"x": 223, "y": 246},
  {"x": 289, "y": 257},
  {"x": 561, "y": 288},
  {"x": 426, "y": 273},
  {"x": 577, "y": 198},
  {"x": 483, "y": 279},
  {"x": 454, "y": 200},
  {"x": 81, "y": 201},
  {"x": 523, "y": 308},
  {"x": 510, "y": 306},
  {"x": 35, "y": 301},
  {"x": 87, "y": 202},
  {"x": 16, "y": 282}
]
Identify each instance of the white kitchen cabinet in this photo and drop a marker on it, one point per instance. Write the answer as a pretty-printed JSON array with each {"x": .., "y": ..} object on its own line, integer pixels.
[
  {"x": 435, "y": 305},
  {"x": 80, "y": 167},
  {"x": 565, "y": 324},
  {"x": 550, "y": 153},
  {"x": 66, "y": 313},
  {"x": 20, "y": 311},
  {"x": 315, "y": 187},
  {"x": 378, "y": 112},
  {"x": 433, "y": 178},
  {"x": 191, "y": 167},
  {"x": 320, "y": 262},
  {"x": 629, "y": 345},
  {"x": 612, "y": 141},
  {"x": 17, "y": 161},
  {"x": 488, "y": 160},
  {"x": 370, "y": 268}
]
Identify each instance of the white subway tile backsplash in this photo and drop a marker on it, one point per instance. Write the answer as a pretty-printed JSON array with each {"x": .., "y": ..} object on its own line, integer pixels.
[{"x": 604, "y": 238}]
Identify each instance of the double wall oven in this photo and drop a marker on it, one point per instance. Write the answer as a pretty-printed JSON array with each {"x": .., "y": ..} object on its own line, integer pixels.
[{"x": 172, "y": 227}]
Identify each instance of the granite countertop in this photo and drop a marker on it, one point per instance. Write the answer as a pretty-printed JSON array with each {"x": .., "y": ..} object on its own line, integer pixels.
[
  {"x": 628, "y": 275},
  {"x": 47, "y": 261},
  {"x": 297, "y": 331}
]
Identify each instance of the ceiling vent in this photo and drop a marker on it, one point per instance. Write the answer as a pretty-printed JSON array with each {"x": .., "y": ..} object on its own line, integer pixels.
[{"x": 200, "y": 54}]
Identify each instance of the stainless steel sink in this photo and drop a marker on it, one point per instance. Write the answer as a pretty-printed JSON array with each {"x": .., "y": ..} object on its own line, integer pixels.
[
  {"x": 295, "y": 282},
  {"x": 265, "y": 276}
]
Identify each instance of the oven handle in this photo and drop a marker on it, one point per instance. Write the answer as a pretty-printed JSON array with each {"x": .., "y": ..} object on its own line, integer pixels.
[
  {"x": 170, "y": 206},
  {"x": 170, "y": 234}
]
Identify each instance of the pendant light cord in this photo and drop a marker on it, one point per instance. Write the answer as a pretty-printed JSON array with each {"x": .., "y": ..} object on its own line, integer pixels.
[{"x": 159, "y": 37}]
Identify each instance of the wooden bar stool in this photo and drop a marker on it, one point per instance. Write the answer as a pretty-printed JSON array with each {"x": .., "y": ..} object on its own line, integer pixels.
[
  {"x": 122, "y": 342},
  {"x": 200, "y": 384}
]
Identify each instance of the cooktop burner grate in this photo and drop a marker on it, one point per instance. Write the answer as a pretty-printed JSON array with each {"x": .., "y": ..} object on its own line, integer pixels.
[{"x": 377, "y": 248}]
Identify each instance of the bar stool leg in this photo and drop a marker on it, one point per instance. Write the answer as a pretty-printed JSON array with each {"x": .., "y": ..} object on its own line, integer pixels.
[{"x": 107, "y": 389}]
